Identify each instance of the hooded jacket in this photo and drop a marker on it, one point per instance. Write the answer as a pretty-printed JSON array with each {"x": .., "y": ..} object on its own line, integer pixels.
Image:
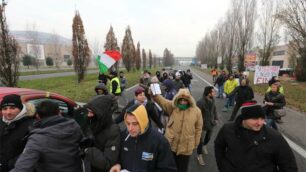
[
  {"x": 12, "y": 137},
  {"x": 239, "y": 150},
  {"x": 149, "y": 151},
  {"x": 104, "y": 152},
  {"x": 185, "y": 126},
  {"x": 53, "y": 145}
]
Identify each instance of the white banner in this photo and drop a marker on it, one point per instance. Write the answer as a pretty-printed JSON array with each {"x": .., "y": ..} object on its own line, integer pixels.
[
  {"x": 203, "y": 66},
  {"x": 264, "y": 73}
]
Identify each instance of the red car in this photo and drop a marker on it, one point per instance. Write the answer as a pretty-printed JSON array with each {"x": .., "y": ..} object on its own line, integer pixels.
[{"x": 66, "y": 105}]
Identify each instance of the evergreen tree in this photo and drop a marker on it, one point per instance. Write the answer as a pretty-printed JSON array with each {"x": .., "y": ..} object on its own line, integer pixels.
[
  {"x": 80, "y": 49},
  {"x": 49, "y": 61},
  {"x": 128, "y": 50},
  {"x": 9, "y": 50},
  {"x": 138, "y": 57},
  {"x": 144, "y": 59},
  {"x": 27, "y": 60},
  {"x": 150, "y": 59},
  {"x": 111, "y": 44}
]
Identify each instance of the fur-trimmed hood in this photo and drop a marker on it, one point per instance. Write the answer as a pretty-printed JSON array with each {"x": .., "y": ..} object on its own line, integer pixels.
[{"x": 184, "y": 93}]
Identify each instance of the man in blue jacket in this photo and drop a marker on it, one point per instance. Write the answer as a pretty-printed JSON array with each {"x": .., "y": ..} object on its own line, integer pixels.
[{"x": 142, "y": 148}]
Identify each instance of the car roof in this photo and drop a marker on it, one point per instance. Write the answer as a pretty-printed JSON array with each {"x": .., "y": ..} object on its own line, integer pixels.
[{"x": 27, "y": 94}]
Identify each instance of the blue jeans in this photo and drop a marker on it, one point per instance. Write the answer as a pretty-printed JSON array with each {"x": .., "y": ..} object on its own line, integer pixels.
[
  {"x": 220, "y": 91},
  {"x": 271, "y": 123},
  {"x": 230, "y": 101}
]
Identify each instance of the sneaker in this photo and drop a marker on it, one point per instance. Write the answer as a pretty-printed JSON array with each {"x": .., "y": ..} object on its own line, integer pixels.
[
  {"x": 205, "y": 150},
  {"x": 200, "y": 159},
  {"x": 224, "y": 110}
]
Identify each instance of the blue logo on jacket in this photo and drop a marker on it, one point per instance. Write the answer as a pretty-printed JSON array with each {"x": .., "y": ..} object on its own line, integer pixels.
[{"x": 146, "y": 156}]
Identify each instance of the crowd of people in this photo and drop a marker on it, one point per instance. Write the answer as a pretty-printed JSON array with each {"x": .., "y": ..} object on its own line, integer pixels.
[{"x": 160, "y": 133}]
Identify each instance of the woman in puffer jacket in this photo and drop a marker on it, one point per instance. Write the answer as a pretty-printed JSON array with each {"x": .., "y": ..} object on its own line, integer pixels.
[{"x": 184, "y": 128}]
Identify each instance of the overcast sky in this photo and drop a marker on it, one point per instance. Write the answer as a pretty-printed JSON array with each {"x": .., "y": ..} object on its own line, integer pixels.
[{"x": 158, "y": 24}]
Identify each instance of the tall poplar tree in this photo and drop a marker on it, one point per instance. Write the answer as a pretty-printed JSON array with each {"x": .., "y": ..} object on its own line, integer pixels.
[
  {"x": 128, "y": 50},
  {"x": 111, "y": 44},
  {"x": 144, "y": 59},
  {"x": 138, "y": 57},
  {"x": 80, "y": 49},
  {"x": 150, "y": 59},
  {"x": 9, "y": 50}
]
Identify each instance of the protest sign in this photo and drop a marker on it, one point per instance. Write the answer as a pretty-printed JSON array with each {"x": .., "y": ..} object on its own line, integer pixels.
[{"x": 264, "y": 73}]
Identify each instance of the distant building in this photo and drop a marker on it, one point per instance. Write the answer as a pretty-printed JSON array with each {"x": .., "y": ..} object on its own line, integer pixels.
[{"x": 45, "y": 45}]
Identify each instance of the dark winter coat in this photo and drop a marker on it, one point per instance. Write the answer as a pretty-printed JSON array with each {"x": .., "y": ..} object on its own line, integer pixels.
[
  {"x": 220, "y": 80},
  {"x": 149, "y": 152},
  {"x": 53, "y": 145},
  {"x": 178, "y": 84},
  {"x": 12, "y": 138},
  {"x": 170, "y": 92},
  {"x": 152, "y": 113},
  {"x": 243, "y": 94},
  {"x": 241, "y": 150},
  {"x": 104, "y": 152},
  {"x": 209, "y": 112},
  {"x": 103, "y": 78},
  {"x": 277, "y": 99}
]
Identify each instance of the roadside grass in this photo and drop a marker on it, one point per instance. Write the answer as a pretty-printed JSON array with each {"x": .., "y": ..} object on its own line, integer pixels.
[
  {"x": 49, "y": 71},
  {"x": 295, "y": 92},
  {"x": 68, "y": 87}
]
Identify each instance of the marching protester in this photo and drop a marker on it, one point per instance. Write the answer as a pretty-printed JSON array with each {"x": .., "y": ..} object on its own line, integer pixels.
[
  {"x": 101, "y": 89},
  {"x": 220, "y": 82},
  {"x": 187, "y": 79},
  {"x": 214, "y": 74},
  {"x": 229, "y": 86},
  {"x": 52, "y": 144},
  {"x": 209, "y": 115},
  {"x": 249, "y": 145},
  {"x": 170, "y": 91},
  {"x": 140, "y": 98},
  {"x": 115, "y": 87},
  {"x": 273, "y": 100},
  {"x": 177, "y": 82},
  {"x": 242, "y": 93},
  {"x": 14, "y": 124},
  {"x": 102, "y": 78},
  {"x": 142, "y": 148},
  {"x": 123, "y": 85},
  {"x": 184, "y": 127},
  {"x": 102, "y": 147},
  {"x": 275, "y": 80}
]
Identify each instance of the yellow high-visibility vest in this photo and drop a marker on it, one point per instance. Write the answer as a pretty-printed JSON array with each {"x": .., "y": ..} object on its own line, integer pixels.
[{"x": 118, "y": 90}]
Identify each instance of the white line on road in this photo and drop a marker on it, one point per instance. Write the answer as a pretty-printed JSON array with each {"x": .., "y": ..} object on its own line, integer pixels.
[
  {"x": 293, "y": 145},
  {"x": 128, "y": 89},
  {"x": 296, "y": 147}
]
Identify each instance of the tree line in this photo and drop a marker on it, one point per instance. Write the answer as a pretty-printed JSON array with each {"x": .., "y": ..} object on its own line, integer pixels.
[
  {"x": 133, "y": 58},
  {"x": 251, "y": 25}
]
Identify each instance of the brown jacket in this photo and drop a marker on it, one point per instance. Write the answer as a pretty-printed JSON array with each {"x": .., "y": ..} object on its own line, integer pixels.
[{"x": 185, "y": 126}]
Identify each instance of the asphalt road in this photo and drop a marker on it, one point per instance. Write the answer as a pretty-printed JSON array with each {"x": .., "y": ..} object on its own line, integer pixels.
[{"x": 198, "y": 85}]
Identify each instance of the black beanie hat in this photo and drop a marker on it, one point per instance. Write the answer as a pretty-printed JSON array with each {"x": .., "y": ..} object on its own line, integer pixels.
[
  {"x": 12, "y": 100},
  {"x": 249, "y": 111}
]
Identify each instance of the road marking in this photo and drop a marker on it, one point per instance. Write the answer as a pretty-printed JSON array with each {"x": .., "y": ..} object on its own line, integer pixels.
[
  {"x": 128, "y": 89},
  {"x": 293, "y": 145},
  {"x": 296, "y": 147}
]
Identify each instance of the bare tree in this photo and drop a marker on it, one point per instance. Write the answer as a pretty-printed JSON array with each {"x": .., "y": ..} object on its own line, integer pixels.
[
  {"x": 293, "y": 15},
  {"x": 80, "y": 50},
  {"x": 9, "y": 50},
  {"x": 267, "y": 34},
  {"x": 245, "y": 15},
  {"x": 57, "y": 49},
  {"x": 35, "y": 48}
]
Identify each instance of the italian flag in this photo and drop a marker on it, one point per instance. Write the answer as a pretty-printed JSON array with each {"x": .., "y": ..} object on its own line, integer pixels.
[{"x": 107, "y": 60}]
